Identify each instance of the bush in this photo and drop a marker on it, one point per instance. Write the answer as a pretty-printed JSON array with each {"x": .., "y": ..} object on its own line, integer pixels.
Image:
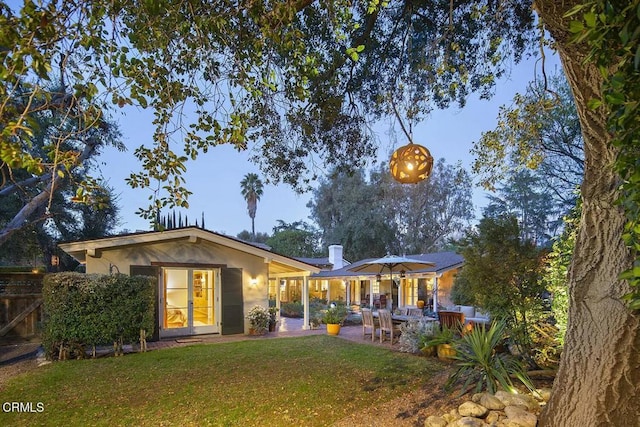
[
  {"x": 90, "y": 310},
  {"x": 292, "y": 309},
  {"x": 414, "y": 334},
  {"x": 478, "y": 361}
]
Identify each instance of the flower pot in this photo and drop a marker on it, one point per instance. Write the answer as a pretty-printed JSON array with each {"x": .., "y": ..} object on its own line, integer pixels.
[
  {"x": 420, "y": 303},
  {"x": 428, "y": 350},
  {"x": 446, "y": 351},
  {"x": 333, "y": 329}
]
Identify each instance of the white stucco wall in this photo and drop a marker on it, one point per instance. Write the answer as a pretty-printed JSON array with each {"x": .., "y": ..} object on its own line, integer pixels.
[{"x": 185, "y": 252}]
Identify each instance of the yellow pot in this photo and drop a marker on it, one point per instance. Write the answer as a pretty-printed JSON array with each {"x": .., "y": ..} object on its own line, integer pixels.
[
  {"x": 428, "y": 351},
  {"x": 420, "y": 303},
  {"x": 333, "y": 329},
  {"x": 446, "y": 351}
]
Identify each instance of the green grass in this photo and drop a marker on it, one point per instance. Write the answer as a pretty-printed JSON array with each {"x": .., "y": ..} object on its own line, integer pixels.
[{"x": 311, "y": 381}]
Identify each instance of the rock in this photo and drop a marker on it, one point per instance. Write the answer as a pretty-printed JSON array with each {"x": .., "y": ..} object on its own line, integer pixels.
[
  {"x": 518, "y": 399},
  {"x": 471, "y": 409},
  {"x": 468, "y": 422},
  {"x": 491, "y": 402},
  {"x": 433, "y": 421},
  {"x": 477, "y": 396},
  {"x": 520, "y": 417},
  {"x": 544, "y": 393},
  {"x": 493, "y": 417},
  {"x": 449, "y": 418}
]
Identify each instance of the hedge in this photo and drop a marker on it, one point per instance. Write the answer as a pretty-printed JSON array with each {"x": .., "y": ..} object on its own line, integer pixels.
[{"x": 83, "y": 310}]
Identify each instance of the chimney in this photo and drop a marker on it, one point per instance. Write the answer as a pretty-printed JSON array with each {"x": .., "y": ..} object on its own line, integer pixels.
[{"x": 335, "y": 256}]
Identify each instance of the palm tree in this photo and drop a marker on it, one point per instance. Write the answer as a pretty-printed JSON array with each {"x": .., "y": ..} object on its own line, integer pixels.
[{"x": 251, "y": 190}]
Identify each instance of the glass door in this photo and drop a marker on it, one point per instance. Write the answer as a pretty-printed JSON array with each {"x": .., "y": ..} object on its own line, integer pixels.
[
  {"x": 189, "y": 302},
  {"x": 204, "y": 319}
]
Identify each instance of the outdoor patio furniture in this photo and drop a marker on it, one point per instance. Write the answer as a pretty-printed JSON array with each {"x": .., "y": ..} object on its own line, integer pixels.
[
  {"x": 415, "y": 312},
  {"x": 387, "y": 326},
  {"x": 368, "y": 324},
  {"x": 451, "y": 319},
  {"x": 383, "y": 301}
]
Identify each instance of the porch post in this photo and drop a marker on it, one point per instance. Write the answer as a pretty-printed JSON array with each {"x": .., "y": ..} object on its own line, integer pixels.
[
  {"x": 371, "y": 292},
  {"x": 347, "y": 290},
  {"x": 305, "y": 302},
  {"x": 435, "y": 294}
]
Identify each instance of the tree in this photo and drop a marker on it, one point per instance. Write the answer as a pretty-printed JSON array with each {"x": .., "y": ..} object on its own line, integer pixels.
[
  {"x": 502, "y": 274},
  {"x": 251, "y": 191},
  {"x": 371, "y": 218},
  {"x": 428, "y": 213},
  {"x": 539, "y": 132},
  {"x": 349, "y": 211},
  {"x": 247, "y": 236},
  {"x": 523, "y": 196},
  {"x": 297, "y": 239}
]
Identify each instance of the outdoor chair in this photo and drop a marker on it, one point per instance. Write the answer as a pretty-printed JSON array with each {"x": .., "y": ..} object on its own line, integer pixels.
[
  {"x": 383, "y": 301},
  {"x": 415, "y": 312},
  {"x": 368, "y": 324},
  {"x": 387, "y": 326},
  {"x": 451, "y": 319}
]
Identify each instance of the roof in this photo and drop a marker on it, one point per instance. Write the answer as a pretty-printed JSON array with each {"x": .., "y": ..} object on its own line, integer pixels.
[
  {"x": 318, "y": 262},
  {"x": 443, "y": 261},
  {"x": 278, "y": 263}
]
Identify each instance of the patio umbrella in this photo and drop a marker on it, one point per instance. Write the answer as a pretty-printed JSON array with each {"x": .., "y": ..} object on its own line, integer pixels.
[
  {"x": 399, "y": 263},
  {"x": 392, "y": 262}
]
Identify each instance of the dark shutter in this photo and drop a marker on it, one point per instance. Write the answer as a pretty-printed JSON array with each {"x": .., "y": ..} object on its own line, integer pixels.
[
  {"x": 232, "y": 303},
  {"x": 153, "y": 271}
]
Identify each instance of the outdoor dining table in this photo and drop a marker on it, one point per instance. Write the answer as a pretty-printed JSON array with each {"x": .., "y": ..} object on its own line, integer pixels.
[{"x": 401, "y": 318}]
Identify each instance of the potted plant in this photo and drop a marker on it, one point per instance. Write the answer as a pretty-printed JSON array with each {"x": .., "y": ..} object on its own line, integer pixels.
[
  {"x": 334, "y": 317},
  {"x": 273, "y": 311},
  {"x": 425, "y": 347},
  {"x": 443, "y": 341},
  {"x": 259, "y": 319}
]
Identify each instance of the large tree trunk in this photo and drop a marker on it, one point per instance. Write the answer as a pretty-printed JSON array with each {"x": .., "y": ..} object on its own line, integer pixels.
[{"x": 599, "y": 376}]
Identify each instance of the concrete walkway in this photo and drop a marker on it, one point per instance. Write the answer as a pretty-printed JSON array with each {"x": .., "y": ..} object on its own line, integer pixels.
[{"x": 287, "y": 327}]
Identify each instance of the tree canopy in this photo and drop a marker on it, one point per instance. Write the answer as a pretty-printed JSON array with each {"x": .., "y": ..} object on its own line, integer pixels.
[{"x": 378, "y": 216}]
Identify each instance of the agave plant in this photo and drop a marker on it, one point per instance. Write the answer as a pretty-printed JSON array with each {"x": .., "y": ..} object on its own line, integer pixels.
[{"x": 479, "y": 362}]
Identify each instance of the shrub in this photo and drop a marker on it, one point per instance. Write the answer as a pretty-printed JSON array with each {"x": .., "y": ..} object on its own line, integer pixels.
[
  {"x": 414, "y": 334},
  {"x": 479, "y": 362},
  {"x": 292, "y": 309},
  {"x": 89, "y": 310}
]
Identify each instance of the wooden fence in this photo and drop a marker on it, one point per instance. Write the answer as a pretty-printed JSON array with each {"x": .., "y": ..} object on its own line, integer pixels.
[{"x": 20, "y": 305}]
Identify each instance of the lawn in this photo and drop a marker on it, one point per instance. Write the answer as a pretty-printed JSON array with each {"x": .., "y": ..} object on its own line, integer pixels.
[{"x": 312, "y": 381}]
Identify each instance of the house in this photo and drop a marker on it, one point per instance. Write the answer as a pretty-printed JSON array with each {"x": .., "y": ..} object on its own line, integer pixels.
[
  {"x": 207, "y": 281},
  {"x": 431, "y": 284}
]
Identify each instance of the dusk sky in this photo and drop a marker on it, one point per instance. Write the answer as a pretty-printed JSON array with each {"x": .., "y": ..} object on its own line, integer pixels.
[{"x": 214, "y": 178}]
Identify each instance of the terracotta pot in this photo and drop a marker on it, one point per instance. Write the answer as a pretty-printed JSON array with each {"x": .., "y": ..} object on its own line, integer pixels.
[
  {"x": 333, "y": 329},
  {"x": 446, "y": 351},
  {"x": 420, "y": 303}
]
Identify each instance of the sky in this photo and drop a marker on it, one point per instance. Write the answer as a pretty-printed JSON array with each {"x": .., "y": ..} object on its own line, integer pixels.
[{"x": 214, "y": 178}]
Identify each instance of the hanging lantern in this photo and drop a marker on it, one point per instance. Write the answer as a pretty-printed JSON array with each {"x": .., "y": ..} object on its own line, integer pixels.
[{"x": 411, "y": 164}]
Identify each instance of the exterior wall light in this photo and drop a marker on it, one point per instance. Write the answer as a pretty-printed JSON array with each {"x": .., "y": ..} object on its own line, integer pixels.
[{"x": 411, "y": 164}]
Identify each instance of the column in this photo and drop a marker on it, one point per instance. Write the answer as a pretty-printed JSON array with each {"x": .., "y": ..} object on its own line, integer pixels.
[
  {"x": 435, "y": 294},
  {"x": 305, "y": 302}
]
